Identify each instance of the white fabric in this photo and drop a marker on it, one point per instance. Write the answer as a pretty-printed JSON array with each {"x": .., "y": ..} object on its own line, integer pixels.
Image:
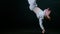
[
  {"x": 32, "y": 4},
  {"x": 40, "y": 14},
  {"x": 41, "y": 23}
]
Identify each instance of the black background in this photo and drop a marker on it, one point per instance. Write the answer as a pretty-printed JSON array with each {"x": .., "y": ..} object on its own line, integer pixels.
[{"x": 15, "y": 14}]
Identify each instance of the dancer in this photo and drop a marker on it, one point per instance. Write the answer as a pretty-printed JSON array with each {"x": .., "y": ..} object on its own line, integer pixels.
[{"x": 39, "y": 13}]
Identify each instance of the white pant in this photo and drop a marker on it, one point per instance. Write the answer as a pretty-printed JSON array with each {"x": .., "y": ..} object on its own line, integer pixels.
[{"x": 32, "y": 4}]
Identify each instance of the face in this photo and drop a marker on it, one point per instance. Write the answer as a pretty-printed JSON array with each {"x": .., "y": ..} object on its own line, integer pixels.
[{"x": 47, "y": 13}]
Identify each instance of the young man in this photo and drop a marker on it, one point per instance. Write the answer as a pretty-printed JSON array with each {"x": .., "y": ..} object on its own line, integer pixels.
[{"x": 39, "y": 13}]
